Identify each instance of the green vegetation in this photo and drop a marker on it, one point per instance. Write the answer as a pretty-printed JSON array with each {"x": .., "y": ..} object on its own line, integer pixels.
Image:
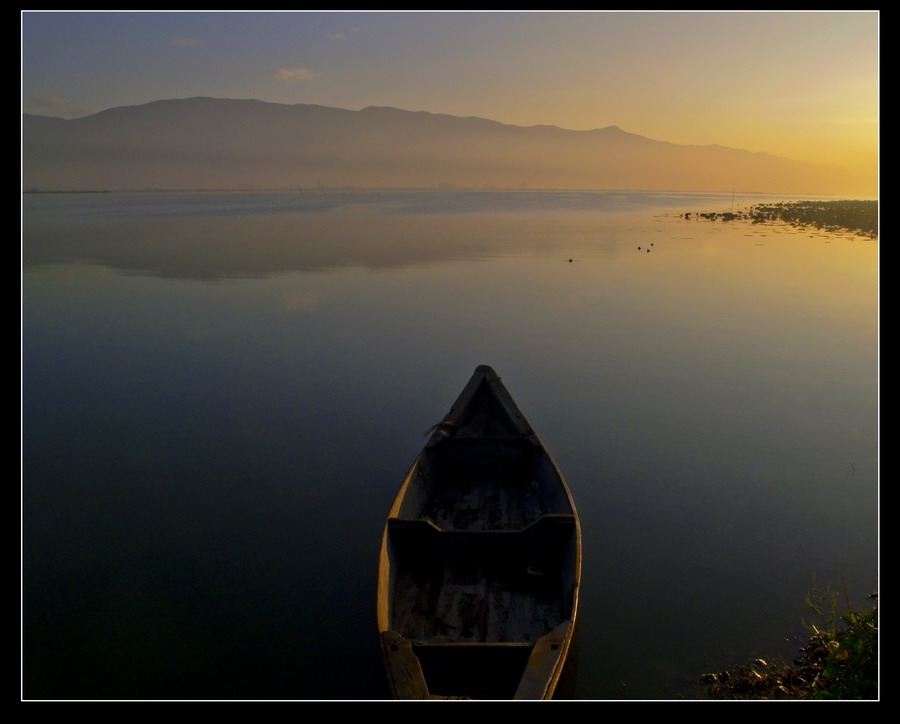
[
  {"x": 838, "y": 661},
  {"x": 858, "y": 217}
]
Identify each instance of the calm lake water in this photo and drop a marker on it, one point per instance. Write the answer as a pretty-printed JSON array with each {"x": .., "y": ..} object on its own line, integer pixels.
[{"x": 222, "y": 393}]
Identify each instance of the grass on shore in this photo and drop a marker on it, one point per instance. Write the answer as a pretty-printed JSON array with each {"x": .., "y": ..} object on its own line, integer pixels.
[{"x": 839, "y": 661}]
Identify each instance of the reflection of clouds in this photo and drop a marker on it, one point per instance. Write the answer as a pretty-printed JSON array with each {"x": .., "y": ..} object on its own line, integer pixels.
[
  {"x": 299, "y": 300},
  {"x": 708, "y": 248},
  {"x": 589, "y": 297},
  {"x": 76, "y": 274}
]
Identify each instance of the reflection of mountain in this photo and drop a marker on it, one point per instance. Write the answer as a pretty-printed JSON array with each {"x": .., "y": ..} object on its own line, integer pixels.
[
  {"x": 206, "y": 143},
  {"x": 235, "y": 245}
]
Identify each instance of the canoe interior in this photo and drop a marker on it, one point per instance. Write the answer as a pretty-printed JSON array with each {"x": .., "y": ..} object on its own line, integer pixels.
[
  {"x": 473, "y": 672},
  {"x": 481, "y": 587}
]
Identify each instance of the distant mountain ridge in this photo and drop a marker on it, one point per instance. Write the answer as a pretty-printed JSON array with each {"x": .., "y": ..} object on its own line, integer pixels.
[{"x": 213, "y": 143}]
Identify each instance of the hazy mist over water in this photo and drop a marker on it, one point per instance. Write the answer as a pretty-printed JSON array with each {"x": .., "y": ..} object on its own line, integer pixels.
[{"x": 222, "y": 392}]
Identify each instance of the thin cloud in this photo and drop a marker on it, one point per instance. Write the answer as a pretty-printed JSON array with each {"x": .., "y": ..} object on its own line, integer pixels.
[
  {"x": 185, "y": 42},
  {"x": 336, "y": 36},
  {"x": 57, "y": 106},
  {"x": 293, "y": 75}
]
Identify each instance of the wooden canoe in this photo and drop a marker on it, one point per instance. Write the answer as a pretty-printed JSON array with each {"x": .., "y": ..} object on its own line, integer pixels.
[{"x": 480, "y": 559}]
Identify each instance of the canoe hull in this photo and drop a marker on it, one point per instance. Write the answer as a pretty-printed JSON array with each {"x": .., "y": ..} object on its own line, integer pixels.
[{"x": 481, "y": 559}]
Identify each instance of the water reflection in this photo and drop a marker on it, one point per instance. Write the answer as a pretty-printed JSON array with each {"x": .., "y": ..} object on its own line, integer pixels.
[{"x": 207, "y": 466}]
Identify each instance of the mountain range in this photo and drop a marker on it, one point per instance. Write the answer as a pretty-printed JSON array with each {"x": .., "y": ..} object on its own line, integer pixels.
[{"x": 213, "y": 143}]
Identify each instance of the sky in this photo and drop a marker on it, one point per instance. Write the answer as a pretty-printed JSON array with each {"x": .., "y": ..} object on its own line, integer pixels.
[{"x": 803, "y": 85}]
